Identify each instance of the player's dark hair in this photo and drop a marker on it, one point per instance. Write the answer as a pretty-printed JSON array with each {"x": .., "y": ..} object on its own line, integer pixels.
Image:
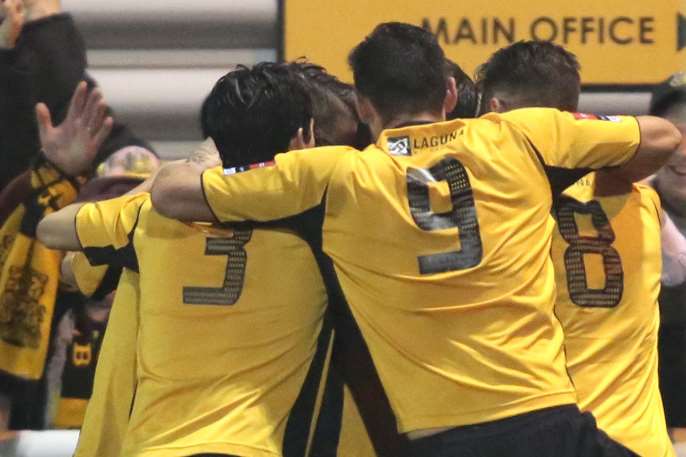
[
  {"x": 332, "y": 101},
  {"x": 467, "y": 94},
  {"x": 531, "y": 73},
  {"x": 252, "y": 113},
  {"x": 399, "y": 68}
]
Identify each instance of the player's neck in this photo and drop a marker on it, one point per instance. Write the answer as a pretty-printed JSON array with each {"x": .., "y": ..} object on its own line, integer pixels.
[{"x": 412, "y": 119}]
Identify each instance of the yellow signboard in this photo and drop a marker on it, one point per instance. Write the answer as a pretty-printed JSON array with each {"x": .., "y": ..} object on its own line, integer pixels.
[{"x": 618, "y": 42}]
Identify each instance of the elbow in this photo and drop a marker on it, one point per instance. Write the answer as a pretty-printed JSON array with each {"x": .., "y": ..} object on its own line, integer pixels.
[
  {"x": 164, "y": 199},
  {"x": 672, "y": 138},
  {"x": 160, "y": 200},
  {"x": 664, "y": 138}
]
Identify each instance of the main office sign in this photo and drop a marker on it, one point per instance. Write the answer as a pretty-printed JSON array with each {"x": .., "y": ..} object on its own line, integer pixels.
[{"x": 618, "y": 42}]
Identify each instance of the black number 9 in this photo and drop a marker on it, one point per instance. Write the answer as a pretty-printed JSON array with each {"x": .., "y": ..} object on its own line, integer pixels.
[{"x": 462, "y": 215}]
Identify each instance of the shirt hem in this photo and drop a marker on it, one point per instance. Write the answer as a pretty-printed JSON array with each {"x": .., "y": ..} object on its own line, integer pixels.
[
  {"x": 406, "y": 425},
  {"x": 205, "y": 448}
]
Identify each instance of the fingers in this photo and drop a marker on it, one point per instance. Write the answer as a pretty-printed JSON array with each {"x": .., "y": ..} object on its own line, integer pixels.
[
  {"x": 99, "y": 117},
  {"x": 94, "y": 104},
  {"x": 102, "y": 133},
  {"x": 44, "y": 119},
  {"x": 78, "y": 100}
]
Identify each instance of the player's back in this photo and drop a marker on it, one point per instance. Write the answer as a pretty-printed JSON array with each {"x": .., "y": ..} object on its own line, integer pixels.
[
  {"x": 607, "y": 263},
  {"x": 230, "y": 326},
  {"x": 441, "y": 237}
]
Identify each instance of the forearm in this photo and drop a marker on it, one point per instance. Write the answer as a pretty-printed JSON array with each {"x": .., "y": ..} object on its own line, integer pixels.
[
  {"x": 659, "y": 140},
  {"x": 177, "y": 193},
  {"x": 67, "y": 272},
  {"x": 58, "y": 230}
]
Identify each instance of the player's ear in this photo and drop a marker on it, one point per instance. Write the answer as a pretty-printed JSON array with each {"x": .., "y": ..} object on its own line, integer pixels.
[
  {"x": 451, "y": 96},
  {"x": 364, "y": 108},
  {"x": 302, "y": 139},
  {"x": 496, "y": 105}
]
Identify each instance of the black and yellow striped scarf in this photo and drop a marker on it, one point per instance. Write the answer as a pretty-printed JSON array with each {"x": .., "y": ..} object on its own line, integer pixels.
[{"x": 29, "y": 276}]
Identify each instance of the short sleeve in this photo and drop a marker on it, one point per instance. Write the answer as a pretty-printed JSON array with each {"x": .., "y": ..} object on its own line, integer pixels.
[
  {"x": 88, "y": 278},
  {"x": 294, "y": 183},
  {"x": 574, "y": 140},
  {"x": 105, "y": 230}
]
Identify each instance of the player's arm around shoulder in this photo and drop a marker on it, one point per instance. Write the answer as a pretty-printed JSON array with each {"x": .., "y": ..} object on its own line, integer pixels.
[
  {"x": 58, "y": 230},
  {"x": 82, "y": 225},
  {"x": 293, "y": 183},
  {"x": 639, "y": 146},
  {"x": 659, "y": 140},
  {"x": 176, "y": 190}
]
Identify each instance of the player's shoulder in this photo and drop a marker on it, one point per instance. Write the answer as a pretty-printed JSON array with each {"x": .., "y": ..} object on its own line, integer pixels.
[
  {"x": 123, "y": 208},
  {"x": 527, "y": 116},
  {"x": 133, "y": 206},
  {"x": 320, "y": 155},
  {"x": 319, "y": 162}
]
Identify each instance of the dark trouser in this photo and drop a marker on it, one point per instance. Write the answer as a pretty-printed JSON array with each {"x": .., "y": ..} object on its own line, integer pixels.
[
  {"x": 672, "y": 369},
  {"x": 212, "y": 455},
  {"x": 561, "y": 431}
]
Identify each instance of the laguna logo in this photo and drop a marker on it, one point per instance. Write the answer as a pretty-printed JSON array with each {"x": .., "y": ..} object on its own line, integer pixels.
[{"x": 400, "y": 146}]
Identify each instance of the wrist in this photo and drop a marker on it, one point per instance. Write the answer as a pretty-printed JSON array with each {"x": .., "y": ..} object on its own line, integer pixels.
[
  {"x": 67, "y": 169},
  {"x": 45, "y": 172}
]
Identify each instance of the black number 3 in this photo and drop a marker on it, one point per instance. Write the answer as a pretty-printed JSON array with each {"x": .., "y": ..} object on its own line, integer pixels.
[
  {"x": 232, "y": 287},
  {"x": 461, "y": 216},
  {"x": 577, "y": 283}
]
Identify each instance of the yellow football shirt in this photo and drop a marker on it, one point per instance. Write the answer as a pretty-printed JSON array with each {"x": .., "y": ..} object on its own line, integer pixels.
[
  {"x": 107, "y": 414},
  {"x": 88, "y": 278},
  {"x": 231, "y": 331},
  {"x": 440, "y": 235},
  {"x": 607, "y": 263}
]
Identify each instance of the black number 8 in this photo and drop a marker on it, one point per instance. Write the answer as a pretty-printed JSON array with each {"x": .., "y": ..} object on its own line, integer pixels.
[
  {"x": 461, "y": 216},
  {"x": 577, "y": 284}
]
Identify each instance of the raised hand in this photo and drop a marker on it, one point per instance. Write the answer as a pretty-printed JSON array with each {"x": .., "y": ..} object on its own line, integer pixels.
[
  {"x": 73, "y": 145},
  {"x": 11, "y": 26}
]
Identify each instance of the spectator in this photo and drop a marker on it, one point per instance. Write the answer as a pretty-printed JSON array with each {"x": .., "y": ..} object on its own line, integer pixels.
[
  {"x": 42, "y": 59},
  {"x": 669, "y": 101}
]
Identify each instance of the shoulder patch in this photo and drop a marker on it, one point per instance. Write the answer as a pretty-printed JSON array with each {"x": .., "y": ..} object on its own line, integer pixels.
[
  {"x": 241, "y": 169},
  {"x": 400, "y": 146},
  {"x": 596, "y": 117}
]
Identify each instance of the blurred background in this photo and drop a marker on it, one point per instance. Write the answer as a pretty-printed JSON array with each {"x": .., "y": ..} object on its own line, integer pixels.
[{"x": 157, "y": 59}]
